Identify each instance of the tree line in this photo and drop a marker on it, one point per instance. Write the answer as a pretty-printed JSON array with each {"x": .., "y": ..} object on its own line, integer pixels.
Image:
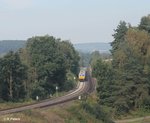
[
  {"x": 36, "y": 70},
  {"x": 124, "y": 83}
]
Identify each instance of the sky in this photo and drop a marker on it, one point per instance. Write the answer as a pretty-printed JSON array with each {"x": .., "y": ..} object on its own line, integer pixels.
[{"x": 79, "y": 21}]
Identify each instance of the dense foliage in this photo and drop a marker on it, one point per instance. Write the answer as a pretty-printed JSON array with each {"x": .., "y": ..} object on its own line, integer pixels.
[
  {"x": 124, "y": 84},
  {"x": 36, "y": 70},
  {"x": 12, "y": 77}
]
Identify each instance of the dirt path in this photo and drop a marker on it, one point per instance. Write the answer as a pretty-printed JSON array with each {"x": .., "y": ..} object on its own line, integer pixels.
[{"x": 142, "y": 119}]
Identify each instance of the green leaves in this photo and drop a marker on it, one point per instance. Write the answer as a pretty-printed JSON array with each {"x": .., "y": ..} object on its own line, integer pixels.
[
  {"x": 104, "y": 74},
  {"x": 47, "y": 61},
  {"x": 119, "y": 36},
  {"x": 145, "y": 23},
  {"x": 71, "y": 56},
  {"x": 126, "y": 85},
  {"x": 50, "y": 59},
  {"x": 13, "y": 75}
]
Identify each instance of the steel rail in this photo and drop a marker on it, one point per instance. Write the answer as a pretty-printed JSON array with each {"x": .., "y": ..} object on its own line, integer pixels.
[{"x": 84, "y": 87}]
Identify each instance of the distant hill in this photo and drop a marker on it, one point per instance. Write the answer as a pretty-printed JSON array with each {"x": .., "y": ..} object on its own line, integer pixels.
[
  {"x": 90, "y": 47},
  {"x": 14, "y": 45}
]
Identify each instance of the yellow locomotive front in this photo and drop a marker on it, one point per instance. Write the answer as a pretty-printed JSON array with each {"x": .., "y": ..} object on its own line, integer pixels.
[{"x": 82, "y": 75}]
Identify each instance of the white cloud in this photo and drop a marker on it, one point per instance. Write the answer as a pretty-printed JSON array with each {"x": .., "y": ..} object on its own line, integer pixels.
[{"x": 17, "y": 4}]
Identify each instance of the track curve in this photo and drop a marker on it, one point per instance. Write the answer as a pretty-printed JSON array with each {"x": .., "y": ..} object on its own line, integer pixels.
[{"x": 83, "y": 87}]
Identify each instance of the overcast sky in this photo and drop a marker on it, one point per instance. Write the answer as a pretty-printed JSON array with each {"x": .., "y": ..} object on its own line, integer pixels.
[{"x": 76, "y": 20}]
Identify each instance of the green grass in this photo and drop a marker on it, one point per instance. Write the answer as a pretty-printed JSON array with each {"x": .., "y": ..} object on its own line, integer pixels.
[
  {"x": 139, "y": 113},
  {"x": 57, "y": 114},
  {"x": 135, "y": 114},
  {"x": 75, "y": 114},
  {"x": 5, "y": 105},
  {"x": 28, "y": 116},
  {"x": 68, "y": 113}
]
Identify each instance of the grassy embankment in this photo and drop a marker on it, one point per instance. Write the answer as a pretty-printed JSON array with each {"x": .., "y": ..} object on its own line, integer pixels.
[
  {"x": 6, "y": 105},
  {"x": 72, "y": 112},
  {"x": 137, "y": 116}
]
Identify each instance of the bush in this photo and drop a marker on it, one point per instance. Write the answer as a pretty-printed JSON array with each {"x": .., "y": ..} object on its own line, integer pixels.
[
  {"x": 70, "y": 82},
  {"x": 146, "y": 102},
  {"x": 121, "y": 107},
  {"x": 68, "y": 85},
  {"x": 97, "y": 111},
  {"x": 39, "y": 91}
]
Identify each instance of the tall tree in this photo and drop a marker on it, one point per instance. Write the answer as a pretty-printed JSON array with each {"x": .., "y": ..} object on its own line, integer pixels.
[
  {"x": 105, "y": 79},
  {"x": 119, "y": 36},
  {"x": 49, "y": 61},
  {"x": 145, "y": 23},
  {"x": 126, "y": 85},
  {"x": 71, "y": 56},
  {"x": 12, "y": 77}
]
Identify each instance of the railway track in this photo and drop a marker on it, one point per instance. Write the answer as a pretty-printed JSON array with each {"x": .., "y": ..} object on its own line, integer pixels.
[{"x": 84, "y": 87}]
